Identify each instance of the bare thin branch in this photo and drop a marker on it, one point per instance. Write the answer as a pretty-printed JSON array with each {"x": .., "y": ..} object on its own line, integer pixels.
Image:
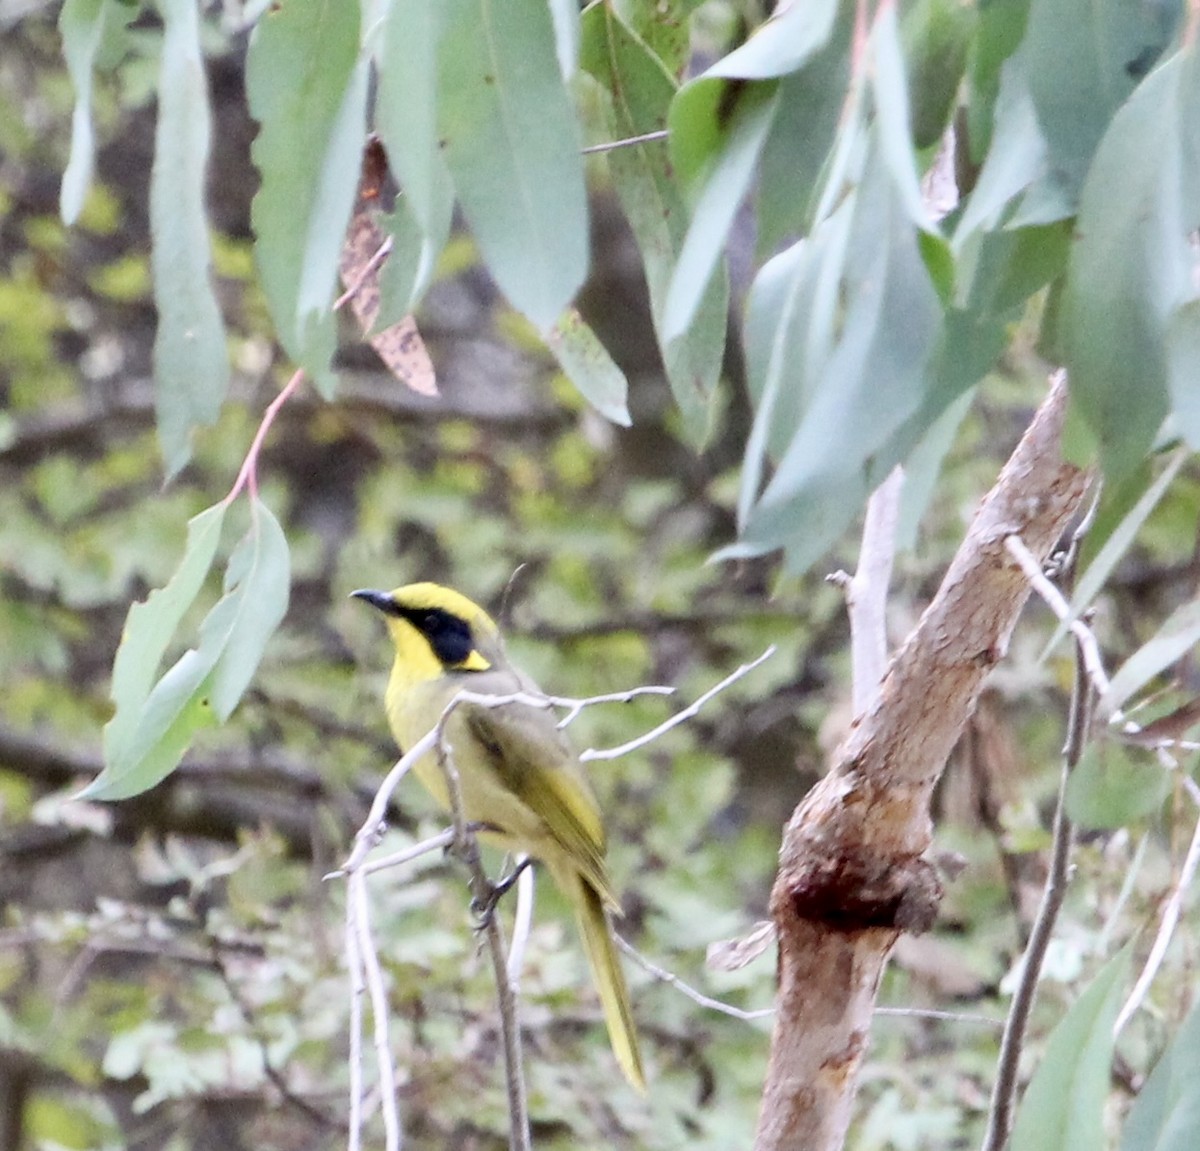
[
  {"x": 1057, "y": 603},
  {"x": 1167, "y": 924},
  {"x": 1004, "y": 1094},
  {"x": 680, "y": 716},
  {"x": 467, "y": 847},
  {"x": 628, "y": 142}
]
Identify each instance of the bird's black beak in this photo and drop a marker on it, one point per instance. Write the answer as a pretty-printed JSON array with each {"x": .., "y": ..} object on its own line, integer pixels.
[{"x": 377, "y": 599}]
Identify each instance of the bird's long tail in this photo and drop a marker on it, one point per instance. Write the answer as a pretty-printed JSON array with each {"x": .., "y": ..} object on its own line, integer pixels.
[{"x": 610, "y": 981}]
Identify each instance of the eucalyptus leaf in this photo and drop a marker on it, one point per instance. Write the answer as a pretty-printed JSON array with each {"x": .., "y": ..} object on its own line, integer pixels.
[
  {"x": 1114, "y": 785},
  {"x": 1063, "y": 1106},
  {"x": 1128, "y": 269},
  {"x": 81, "y": 24},
  {"x": 589, "y": 367},
  {"x": 302, "y": 84},
  {"x": 511, "y": 142},
  {"x": 1165, "y": 1115},
  {"x": 1173, "y": 640},
  {"x": 191, "y": 366},
  {"x": 150, "y": 627}
]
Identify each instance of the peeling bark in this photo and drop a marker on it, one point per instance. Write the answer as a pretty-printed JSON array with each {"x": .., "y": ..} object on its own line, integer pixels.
[{"x": 851, "y": 874}]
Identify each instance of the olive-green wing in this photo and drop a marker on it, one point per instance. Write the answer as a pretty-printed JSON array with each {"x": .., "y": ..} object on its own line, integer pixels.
[{"x": 533, "y": 760}]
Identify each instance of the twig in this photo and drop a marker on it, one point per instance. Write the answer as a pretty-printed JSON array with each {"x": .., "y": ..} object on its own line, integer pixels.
[
  {"x": 628, "y": 142},
  {"x": 443, "y": 839},
  {"x": 273, "y": 1074},
  {"x": 467, "y": 846},
  {"x": 575, "y": 706},
  {"x": 1167, "y": 924},
  {"x": 1005, "y": 1091},
  {"x": 720, "y": 1006},
  {"x": 358, "y": 988},
  {"x": 359, "y": 912},
  {"x": 248, "y": 474},
  {"x": 1057, "y": 603},
  {"x": 679, "y": 717},
  {"x": 381, "y": 254}
]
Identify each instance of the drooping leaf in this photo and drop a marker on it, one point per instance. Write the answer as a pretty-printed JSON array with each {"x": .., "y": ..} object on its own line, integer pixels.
[
  {"x": 81, "y": 23},
  {"x": 1130, "y": 267},
  {"x": 399, "y": 344},
  {"x": 809, "y": 108},
  {"x": 149, "y": 630},
  {"x": 937, "y": 35},
  {"x": 1017, "y": 156},
  {"x": 869, "y": 385},
  {"x": 1183, "y": 369},
  {"x": 641, "y": 92},
  {"x": 1063, "y": 1106},
  {"x": 206, "y": 682},
  {"x": 1001, "y": 29},
  {"x": 783, "y": 44},
  {"x": 589, "y": 367},
  {"x": 1113, "y": 786},
  {"x": 565, "y": 14},
  {"x": 511, "y": 142},
  {"x": 257, "y": 584},
  {"x": 1165, "y": 1116},
  {"x": 1170, "y": 643},
  {"x": 1085, "y": 58},
  {"x": 150, "y": 627},
  {"x": 789, "y": 320},
  {"x": 716, "y": 206},
  {"x": 306, "y": 92},
  {"x": 191, "y": 366},
  {"x": 406, "y": 118}
]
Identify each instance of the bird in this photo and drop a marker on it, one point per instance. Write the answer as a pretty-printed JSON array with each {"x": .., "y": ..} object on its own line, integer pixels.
[{"x": 519, "y": 777}]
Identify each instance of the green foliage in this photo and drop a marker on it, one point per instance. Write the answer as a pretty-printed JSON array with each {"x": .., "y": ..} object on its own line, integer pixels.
[
  {"x": 511, "y": 141},
  {"x": 307, "y": 89},
  {"x": 866, "y": 328},
  {"x": 1063, "y": 1106},
  {"x": 190, "y": 363},
  {"x": 1166, "y": 1113}
]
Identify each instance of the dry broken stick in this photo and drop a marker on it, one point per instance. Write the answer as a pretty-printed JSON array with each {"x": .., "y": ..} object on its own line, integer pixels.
[{"x": 852, "y": 874}]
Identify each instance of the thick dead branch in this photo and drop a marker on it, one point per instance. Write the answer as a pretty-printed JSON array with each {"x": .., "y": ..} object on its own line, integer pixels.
[{"x": 851, "y": 874}]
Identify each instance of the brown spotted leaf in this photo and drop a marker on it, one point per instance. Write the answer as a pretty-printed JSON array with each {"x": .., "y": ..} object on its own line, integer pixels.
[{"x": 364, "y": 253}]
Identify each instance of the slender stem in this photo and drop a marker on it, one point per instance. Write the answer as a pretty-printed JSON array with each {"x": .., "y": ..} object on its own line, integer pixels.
[
  {"x": 467, "y": 848},
  {"x": 1004, "y": 1094},
  {"x": 628, "y": 142},
  {"x": 248, "y": 476}
]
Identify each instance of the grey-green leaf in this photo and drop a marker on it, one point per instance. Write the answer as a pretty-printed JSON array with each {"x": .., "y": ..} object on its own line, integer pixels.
[
  {"x": 589, "y": 367},
  {"x": 150, "y": 627},
  {"x": 1130, "y": 265},
  {"x": 257, "y": 583},
  {"x": 1170, "y": 643},
  {"x": 642, "y": 91},
  {"x": 511, "y": 141},
  {"x": 1165, "y": 1116},
  {"x": 191, "y": 366},
  {"x": 81, "y": 23},
  {"x": 299, "y": 71},
  {"x": 1114, "y": 785},
  {"x": 717, "y": 204},
  {"x": 1063, "y": 1106}
]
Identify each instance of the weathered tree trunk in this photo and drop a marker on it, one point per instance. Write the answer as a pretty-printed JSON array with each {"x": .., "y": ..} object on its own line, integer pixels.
[{"x": 851, "y": 872}]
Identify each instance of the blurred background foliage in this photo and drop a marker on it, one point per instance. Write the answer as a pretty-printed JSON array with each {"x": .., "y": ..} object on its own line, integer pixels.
[{"x": 170, "y": 967}]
